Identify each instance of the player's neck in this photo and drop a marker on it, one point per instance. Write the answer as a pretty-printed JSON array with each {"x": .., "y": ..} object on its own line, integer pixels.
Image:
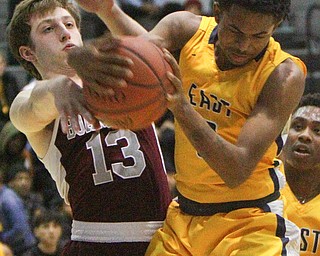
[{"x": 304, "y": 186}]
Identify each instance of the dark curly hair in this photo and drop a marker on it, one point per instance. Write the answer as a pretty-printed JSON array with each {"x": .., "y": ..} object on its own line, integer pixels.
[
  {"x": 18, "y": 30},
  {"x": 278, "y": 8},
  {"x": 311, "y": 99}
]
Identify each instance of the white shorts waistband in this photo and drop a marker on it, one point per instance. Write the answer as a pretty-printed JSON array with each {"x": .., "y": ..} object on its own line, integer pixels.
[{"x": 101, "y": 232}]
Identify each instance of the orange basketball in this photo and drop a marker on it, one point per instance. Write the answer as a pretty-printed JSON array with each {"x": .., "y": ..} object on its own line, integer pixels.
[{"x": 144, "y": 98}]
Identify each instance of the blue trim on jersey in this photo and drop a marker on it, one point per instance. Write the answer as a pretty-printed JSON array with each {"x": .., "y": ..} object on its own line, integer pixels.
[
  {"x": 281, "y": 233},
  {"x": 275, "y": 179},
  {"x": 194, "y": 208},
  {"x": 280, "y": 143},
  {"x": 214, "y": 36}
]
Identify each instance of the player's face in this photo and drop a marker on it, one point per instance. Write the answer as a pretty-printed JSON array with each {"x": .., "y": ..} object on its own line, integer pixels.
[
  {"x": 52, "y": 36},
  {"x": 302, "y": 147},
  {"x": 242, "y": 35}
]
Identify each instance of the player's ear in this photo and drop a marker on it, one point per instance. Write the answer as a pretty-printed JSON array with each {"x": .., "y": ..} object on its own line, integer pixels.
[
  {"x": 26, "y": 53},
  {"x": 216, "y": 11}
]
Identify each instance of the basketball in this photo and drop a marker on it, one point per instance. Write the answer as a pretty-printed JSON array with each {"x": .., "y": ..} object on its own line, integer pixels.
[{"x": 143, "y": 100}]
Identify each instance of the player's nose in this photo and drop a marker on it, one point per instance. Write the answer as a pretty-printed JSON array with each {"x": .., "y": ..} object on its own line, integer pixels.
[{"x": 64, "y": 34}]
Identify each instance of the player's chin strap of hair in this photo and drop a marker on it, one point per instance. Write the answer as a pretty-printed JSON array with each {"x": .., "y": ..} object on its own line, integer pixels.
[{"x": 207, "y": 209}]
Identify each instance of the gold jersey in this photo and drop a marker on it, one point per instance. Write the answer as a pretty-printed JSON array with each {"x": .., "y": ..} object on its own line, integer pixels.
[
  {"x": 225, "y": 99},
  {"x": 306, "y": 217}
]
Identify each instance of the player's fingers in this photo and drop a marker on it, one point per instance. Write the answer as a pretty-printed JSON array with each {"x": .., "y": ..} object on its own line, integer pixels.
[
  {"x": 173, "y": 63},
  {"x": 89, "y": 117},
  {"x": 64, "y": 123},
  {"x": 116, "y": 59},
  {"x": 105, "y": 84},
  {"x": 176, "y": 82},
  {"x": 74, "y": 122},
  {"x": 98, "y": 90},
  {"x": 114, "y": 71},
  {"x": 106, "y": 42}
]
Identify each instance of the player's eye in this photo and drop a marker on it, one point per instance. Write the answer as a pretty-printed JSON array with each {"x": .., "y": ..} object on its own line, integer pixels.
[
  {"x": 69, "y": 25},
  {"x": 48, "y": 29},
  {"x": 297, "y": 127},
  {"x": 317, "y": 130}
]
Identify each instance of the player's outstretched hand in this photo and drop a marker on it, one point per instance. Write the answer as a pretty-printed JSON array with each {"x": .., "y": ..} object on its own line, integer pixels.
[
  {"x": 95, "y": 5},
  {"x": 99, "y": 66},
  {"x": 70, "y": 104}
]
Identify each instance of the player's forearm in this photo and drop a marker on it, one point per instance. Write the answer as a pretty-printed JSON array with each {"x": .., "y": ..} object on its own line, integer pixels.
[
  {"x": 119, "y": 23},
  {"x": 229, "y": 161},
  {"x": 33, "y": 110}
]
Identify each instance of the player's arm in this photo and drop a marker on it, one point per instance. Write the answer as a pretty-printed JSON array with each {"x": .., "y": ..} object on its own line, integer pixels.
[
  {"x": 33, "y": 110},
  {"x": 111, "y": 14},
  {"x": 172, "y": 32},
  {"x": 235, "y": 162}
]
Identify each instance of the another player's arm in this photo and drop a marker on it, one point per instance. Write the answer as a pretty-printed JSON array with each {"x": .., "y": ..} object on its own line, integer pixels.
[
  {"x": 111, "y": 14},
  {"x": 31, "y": 112},
  {"x": 235, "y": 162},
  {"x": 34, "y": 110},
  {"x": 172, "y": 32}
]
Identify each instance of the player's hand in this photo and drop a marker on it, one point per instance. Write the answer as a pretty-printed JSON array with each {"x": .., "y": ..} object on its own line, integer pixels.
[
  {"x": 177, "y": 98},
  {"x": 95, "y": 5},
  {"x": 70, "y": 103},
  {"x": 99, "y": 66}
]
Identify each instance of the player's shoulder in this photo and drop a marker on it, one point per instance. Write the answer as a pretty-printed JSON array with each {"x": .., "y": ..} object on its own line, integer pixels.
[
  {"x": 186, "y": 19},
  {"x": 181, "y": 26},
  {"x": 289, "y": 71}
]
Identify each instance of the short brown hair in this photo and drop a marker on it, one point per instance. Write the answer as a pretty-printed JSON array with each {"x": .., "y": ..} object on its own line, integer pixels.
[{"x": 18, "y": 30}]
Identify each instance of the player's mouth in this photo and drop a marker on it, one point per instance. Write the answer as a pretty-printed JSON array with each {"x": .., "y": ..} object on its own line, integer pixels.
[
  {"x": 239, "y": 58},
  {"x": 301, "y": 150},
  {"x": 69, "y": 47}
]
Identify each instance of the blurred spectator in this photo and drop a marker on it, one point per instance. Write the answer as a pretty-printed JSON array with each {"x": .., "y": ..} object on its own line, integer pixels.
[
  {"x": 5, "y": 250},
  {"x": 194, "y": 6},
  {"x": 44, "y": 184},
  {"x": 14, "y": 227},
  {"x": 19, "y": 178},
  {"x": 48, "y": 230},
  {"x": 66, "y": 214},
  {"x": 143, "y": 11},
  {"x": 138, "y": 8},
  {"x": 13, "y": 147},
  {"x": 11, "y": 6},
  {"x": 167, "y": 9},
  {"x": 91, "y": 25},
  {"x": 8, "y": 89}
]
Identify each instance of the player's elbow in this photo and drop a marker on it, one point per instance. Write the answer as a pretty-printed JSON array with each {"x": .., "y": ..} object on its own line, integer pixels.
[
  {"x": 239, "y": 176},
  {"x": 13, "y": 114}
]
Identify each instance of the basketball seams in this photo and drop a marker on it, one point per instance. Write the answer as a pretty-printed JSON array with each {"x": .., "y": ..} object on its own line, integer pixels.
[
  {"x": 129, "y": 109},
  {"x": 150, "y": 66}
]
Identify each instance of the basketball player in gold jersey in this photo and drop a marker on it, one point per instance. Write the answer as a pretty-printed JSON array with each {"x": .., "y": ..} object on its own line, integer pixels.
[
  {"x": 235, "y": 90},
  {"x": 302, "y": 169}
]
